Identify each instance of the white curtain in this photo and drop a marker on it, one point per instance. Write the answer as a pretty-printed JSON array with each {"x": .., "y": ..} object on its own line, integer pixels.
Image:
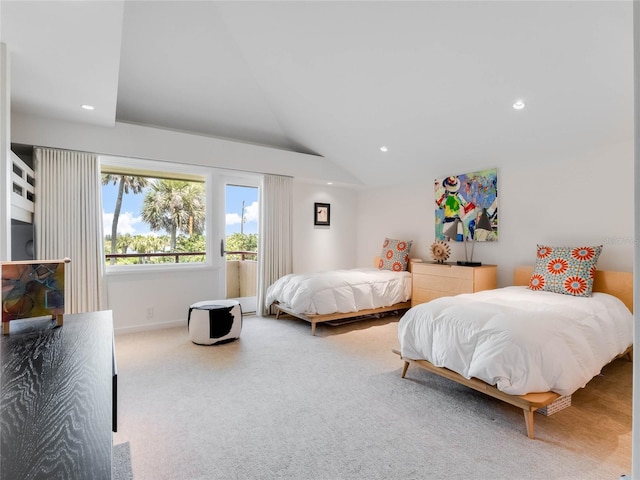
[
  {"x": 68, "y": 223},
  {"x": 275, "y": 246}
]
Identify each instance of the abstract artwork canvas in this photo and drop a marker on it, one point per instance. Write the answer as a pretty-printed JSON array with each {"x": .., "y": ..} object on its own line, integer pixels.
[
  {"x": 32, "y": 289},
  {"x": 467, "y": 204}
]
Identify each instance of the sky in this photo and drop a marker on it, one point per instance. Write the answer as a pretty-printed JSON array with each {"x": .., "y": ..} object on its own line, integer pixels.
[
  {"x": 233, "y": 215},
  {"x": 131, "y": 222}
]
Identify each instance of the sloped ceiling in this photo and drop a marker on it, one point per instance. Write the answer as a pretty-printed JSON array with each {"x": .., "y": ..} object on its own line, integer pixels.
[{"x": 433, "y": 81}]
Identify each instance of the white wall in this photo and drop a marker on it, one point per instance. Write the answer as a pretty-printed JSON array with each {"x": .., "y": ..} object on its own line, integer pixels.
[
  {"x": 402, "y": 212},
  {"x": 5, "y": 162},
  {"x": 128, "y": 140},
  {"x": 562, "y": 199},
  {"x": 168, "y": 293},
  {"x": 317, "y": 248}
]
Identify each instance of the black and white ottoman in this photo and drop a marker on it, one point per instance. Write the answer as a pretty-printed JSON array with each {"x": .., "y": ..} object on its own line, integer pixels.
[{"x": 214, "y": 321}]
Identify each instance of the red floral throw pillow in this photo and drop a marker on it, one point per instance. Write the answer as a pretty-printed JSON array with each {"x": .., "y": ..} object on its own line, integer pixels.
[
  {"x": 566, "y": 270},
  {"x": 394, "y": 255}
]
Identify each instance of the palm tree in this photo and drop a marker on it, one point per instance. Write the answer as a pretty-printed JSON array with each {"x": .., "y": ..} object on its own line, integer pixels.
[
  {"x": 126, "y": 184},
  {"x": 175, "y": 205},
  {"x": 123, "y": 242},
  {"x": 148, "y": 244}
]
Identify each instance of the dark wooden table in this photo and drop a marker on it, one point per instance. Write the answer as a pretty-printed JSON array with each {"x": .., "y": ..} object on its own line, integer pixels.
[{"x": 56, "y": 403}]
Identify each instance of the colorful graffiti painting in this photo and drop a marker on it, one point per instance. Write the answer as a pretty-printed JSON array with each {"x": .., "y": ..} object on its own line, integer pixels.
[{"x": 468, "y": 204}]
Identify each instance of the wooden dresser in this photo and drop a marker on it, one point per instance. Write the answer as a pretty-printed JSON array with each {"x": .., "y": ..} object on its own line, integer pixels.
[
  {"x": 433, "y": 280},
  {"x": 57, "y": 399}
]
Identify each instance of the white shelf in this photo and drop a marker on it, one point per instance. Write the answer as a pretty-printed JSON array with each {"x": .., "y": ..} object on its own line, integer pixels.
[{"x": 23, "y": 190}]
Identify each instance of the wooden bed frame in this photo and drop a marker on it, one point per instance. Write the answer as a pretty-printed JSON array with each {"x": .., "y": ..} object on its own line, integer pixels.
[
  {"x": 315, "y": 319},
  {"x": 619, "y": 284}
]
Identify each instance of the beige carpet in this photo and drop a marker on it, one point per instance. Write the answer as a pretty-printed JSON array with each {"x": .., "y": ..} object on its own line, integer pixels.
[
  {"x": 282, "y": 404},
  {"x": 121, "y": 462}
]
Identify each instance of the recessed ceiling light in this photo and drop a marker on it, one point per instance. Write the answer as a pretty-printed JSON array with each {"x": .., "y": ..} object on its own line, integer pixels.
[
  {"x": 519, "y": 105},
  {"x": 329, "y": 183},
  {"x": 88, "y": 107},
  {"x": 384, "y": 149}
]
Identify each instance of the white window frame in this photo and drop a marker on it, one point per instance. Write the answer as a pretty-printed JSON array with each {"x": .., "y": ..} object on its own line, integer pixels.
[{"x": 153, "y": 166}]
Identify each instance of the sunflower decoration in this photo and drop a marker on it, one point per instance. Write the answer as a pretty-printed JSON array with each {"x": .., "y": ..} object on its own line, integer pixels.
[{"x": 440, "y": 251}]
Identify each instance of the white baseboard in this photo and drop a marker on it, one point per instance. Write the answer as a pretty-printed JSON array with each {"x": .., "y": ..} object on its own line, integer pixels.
[{"x": 150, "y": 326}]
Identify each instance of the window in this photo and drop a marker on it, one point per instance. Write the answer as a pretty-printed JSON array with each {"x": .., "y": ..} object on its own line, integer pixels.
[
  {"x": 152, "y": 216},
  {"x": 241, "y": 222}
]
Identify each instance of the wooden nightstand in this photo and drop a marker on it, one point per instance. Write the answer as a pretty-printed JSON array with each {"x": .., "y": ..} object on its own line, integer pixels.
[{"x": 433, "y": 280}]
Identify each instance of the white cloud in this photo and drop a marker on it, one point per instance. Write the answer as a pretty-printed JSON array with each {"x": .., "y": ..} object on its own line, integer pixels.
[
  {"x": 232, "y": 219},
  {"x": 126, "y": 223},
  {"x": 252, "y": 212}
]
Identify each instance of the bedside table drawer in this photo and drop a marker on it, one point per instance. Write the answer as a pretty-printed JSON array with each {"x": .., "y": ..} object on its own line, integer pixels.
[
  {"x": 443, "y": 283},
  {"x": 449, "y": 271},
  {"x": 432, "y": 280}
]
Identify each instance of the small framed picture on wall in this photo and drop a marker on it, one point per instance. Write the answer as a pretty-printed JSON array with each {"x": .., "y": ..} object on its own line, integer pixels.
[{"x": 321, "y": 214}]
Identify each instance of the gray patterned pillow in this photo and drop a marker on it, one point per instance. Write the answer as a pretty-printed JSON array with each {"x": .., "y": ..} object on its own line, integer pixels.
[
  {"x": 566, "y": 270},
  {"x": 394, "y": 255}
]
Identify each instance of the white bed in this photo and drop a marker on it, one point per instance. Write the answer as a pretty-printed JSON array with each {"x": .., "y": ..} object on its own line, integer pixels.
[
  {"x": 525, "y": 347},
  {"x": 520, "y": 340},
  {"x": 339, "y": 294}
]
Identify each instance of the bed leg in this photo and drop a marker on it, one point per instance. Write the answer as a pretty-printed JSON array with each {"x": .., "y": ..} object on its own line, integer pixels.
[
  {"x": 528, "y": 420},
  {"x": 405, "y": 368},
  {"x": 313, "y": 328}
]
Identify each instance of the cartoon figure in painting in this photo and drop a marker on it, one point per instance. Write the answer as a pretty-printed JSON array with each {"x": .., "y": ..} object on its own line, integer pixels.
[{"x": 455, "y": 206}]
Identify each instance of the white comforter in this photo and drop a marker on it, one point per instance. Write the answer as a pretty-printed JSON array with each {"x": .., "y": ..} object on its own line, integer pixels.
[
  {"x": 520, "y": 340},
  {"x": 340, "y": 291}
]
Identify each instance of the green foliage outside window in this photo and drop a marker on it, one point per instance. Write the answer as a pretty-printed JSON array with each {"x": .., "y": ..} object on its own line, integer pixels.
[
  {"x": 175, "y": 209},
  {"x": 242, "y": 242}
]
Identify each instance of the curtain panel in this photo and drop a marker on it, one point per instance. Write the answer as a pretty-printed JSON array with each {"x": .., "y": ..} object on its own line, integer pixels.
[
  {"x": 275, "y": 246},
  {"x": 68, "y": 223}
]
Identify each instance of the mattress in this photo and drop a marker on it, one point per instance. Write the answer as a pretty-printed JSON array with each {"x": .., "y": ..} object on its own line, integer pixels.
[
  {"x": 519, "y": 340},
  {"x": 340, "y": 291}
]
